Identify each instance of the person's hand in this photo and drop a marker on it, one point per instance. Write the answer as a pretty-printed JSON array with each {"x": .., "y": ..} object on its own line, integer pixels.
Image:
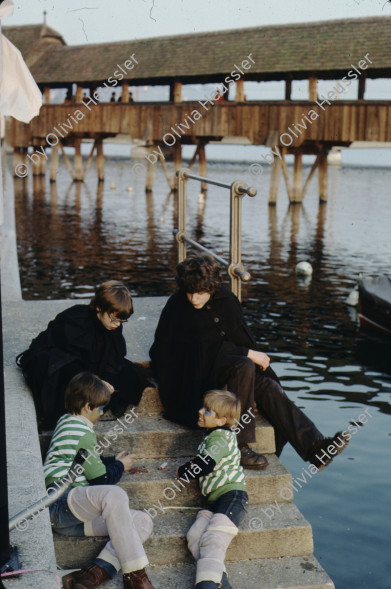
[
  {"x": 259, "y": 358},
  {"x": 126, "y": 459}
]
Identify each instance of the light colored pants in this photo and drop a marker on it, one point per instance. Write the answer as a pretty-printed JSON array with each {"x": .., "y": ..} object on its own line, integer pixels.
[
  {"x": 208, "y": 540},
  {"x": 105, "y": 511}
]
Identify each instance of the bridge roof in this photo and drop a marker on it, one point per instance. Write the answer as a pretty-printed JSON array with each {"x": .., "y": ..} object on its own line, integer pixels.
[
  {"x": 324, "y": 49},
  {"x": 30, "y": 39}
]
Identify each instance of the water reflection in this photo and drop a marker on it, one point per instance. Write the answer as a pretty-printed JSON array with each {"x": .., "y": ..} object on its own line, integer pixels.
[
  {"x": 70, "y": 237},
  {"x": 73, "y": 236}
]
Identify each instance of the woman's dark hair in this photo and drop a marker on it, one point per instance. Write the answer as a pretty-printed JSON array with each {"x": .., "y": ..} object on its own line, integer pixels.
[
  {"x": 85, "y": 388},
  {"x": 113, "y": 297},
  {"x": 198, "y": 273}
]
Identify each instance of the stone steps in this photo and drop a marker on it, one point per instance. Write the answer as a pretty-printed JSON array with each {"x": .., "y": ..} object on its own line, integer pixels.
[
  {"x": 277, "y": 545},
  {"x": 145, "y": 488},
  {"x": 152, "y": 436},
  {"x": 262, "y": 534},
  {"x": 298, "y": 572}
]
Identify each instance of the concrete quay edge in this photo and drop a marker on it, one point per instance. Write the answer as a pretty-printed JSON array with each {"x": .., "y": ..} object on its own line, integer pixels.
[{"x": 289, "y": 572}]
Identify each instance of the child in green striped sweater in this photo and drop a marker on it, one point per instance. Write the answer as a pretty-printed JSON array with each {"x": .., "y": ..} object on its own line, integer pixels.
[
  {"x": 222, "y": 481},
  {"x": 95, "y": 505}
]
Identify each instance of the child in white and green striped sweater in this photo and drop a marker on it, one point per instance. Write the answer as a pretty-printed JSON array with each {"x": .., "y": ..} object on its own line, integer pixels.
[
  {"x": 95, "y": 505},
  {"x": 222, "y": 481}
]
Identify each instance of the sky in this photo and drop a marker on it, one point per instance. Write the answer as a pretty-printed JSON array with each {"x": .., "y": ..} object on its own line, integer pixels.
[{"x": 97, "y": 21}]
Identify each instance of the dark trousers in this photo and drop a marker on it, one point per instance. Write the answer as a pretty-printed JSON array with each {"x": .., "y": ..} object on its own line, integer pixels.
[
  {"x": 233, "y": 504},
  {"x": 250, "y": 384}
]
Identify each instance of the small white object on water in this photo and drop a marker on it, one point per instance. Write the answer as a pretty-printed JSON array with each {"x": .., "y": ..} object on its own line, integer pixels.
[
  {"x": 130, "y": 189},
  {"x": 352, "y": 299},
  {"x": 162, "y": 466},
  {"x": 303, "y": 269},
  {"x": 112, "y": 186}
]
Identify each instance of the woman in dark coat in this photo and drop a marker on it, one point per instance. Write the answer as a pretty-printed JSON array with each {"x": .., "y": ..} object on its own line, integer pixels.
[
  {"x": 83, "y": 338},
  {"x": 202, "y": 342}
]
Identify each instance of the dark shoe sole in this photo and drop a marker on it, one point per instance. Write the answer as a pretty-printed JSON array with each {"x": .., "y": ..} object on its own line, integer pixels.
[
  {"x": 255, "y": 466},
  {"x": 319, "y": 464}
]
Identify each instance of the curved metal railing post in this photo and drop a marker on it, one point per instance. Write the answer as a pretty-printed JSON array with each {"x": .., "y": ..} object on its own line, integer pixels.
[
  {"x": 181, "y": 233},
  {"x": 238, "y": 189}
]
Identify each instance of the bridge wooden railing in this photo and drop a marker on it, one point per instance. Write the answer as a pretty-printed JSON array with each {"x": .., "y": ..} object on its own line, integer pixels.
[{"x": 293, "y": 123}]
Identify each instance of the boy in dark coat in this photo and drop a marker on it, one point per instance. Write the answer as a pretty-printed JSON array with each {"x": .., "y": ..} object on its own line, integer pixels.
[
  {"x": 83, "y": 338},
  {"x": 202, "y": 342}
]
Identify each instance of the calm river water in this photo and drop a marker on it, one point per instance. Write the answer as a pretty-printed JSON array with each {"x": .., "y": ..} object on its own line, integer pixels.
[{"x": 71, "y": 237}]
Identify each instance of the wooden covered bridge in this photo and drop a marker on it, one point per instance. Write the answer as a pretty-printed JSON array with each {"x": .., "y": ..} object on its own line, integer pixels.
[{"x": 342, "y": 51}]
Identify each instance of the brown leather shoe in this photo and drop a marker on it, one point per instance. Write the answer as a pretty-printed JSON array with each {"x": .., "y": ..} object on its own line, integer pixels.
[
  {"x": 137, "y": 580},
  {"x": 87, "y": 578},
  {"x": 251, "y": 459}
]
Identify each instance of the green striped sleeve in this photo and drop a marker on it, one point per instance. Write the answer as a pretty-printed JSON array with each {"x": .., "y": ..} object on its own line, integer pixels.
[{"x": 93, "y": 465}]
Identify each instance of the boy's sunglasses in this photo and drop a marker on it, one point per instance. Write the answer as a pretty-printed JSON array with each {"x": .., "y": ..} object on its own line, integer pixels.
[
  {"x": 101, "y": 409},
  {"x": 114, "y": 319},
  {"x": 208, "y": 412}
]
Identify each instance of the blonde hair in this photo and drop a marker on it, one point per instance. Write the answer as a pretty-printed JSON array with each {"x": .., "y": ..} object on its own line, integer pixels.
[{"x": 224, "y": 404}]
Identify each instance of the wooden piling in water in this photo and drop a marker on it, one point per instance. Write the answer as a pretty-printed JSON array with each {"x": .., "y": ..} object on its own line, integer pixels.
[
  {"x": 150, "y": 179},
  {"x": 202, "y": 166},
  {"x": 54, "y": 160},
  {"x": 78, "y": 161},
  {"x": 100, "y": 160},
  {"x": 297, "y": 178},
  {"x": 275, "y": 181},
  {"x": 322, "y": 177}
]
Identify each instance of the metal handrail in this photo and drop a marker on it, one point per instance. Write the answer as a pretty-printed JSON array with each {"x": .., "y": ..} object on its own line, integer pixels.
[
  {"x": 238, "y": 189},
  {"x": 52, "y": 496}
]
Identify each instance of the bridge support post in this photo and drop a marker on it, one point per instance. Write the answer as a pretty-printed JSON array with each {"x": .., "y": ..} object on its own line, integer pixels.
[
  {"x": 275, "y": 181},
  {"x": 38, "y": 167},
  {"x": 313, "y": 89},
  {"x": 54, "y": 157},
  {"x": 176, "y": 92},
  {"x": 297, "y": 178},
  {"x": 19, "y": 157},
  {"x": 125, "y": 92},
  {"x": 150, "y": 179},
  {"x": 79, "y": 94},
  {"x": 46, "y": 95},
  {"x": 41, "y": 166},
  {"x": 202, "y": 166},
  {"x": 100, "y": 160},
  {"x": 322, "y": 177},
  {"x": 78, "y": 162},
  {"x": 240, "y": 91}
]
